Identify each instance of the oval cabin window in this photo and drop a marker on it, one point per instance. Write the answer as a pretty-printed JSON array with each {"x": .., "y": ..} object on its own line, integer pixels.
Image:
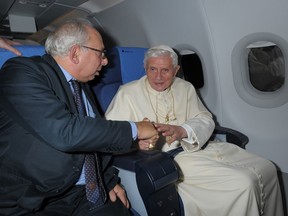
[
  {"x": 259, "y": 69},
  {"x": 266, "y": 66}
]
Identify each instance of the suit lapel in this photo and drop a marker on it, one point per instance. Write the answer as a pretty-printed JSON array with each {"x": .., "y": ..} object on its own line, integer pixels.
[
  {"x": 60, "y": 84},
  {"x": 67, "y": 94}
]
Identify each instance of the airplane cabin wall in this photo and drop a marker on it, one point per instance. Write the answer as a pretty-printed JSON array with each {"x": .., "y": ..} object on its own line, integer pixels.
[
  {"x": 238, "y": 23},
  {"x": 266, "y": 127}
]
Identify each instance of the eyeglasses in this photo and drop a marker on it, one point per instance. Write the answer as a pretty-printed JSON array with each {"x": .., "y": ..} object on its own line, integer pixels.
[{"x": 102, "y": 52}]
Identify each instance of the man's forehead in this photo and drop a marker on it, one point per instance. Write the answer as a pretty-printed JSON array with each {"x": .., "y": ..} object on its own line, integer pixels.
[{"x": 161, "y": 61}]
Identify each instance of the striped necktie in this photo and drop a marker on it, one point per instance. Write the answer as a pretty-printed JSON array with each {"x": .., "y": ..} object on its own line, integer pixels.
[{"x": 91, "y": 164}]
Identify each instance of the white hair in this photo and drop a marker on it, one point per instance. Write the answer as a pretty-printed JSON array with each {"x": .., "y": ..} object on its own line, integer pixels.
[
  {"x": 161, "y": 50},
  {"x": 68, "y": 34}
]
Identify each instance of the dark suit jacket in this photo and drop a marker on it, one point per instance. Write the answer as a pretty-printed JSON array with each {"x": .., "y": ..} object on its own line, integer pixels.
[{"x": 42, "y": 138}]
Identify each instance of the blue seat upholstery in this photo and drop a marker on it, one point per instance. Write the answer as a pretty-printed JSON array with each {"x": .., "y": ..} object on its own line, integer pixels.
[
  {"x": 26, "y": 50},
  {"x": 131, "y": 66},
  {"x": 125, "y": 64}
]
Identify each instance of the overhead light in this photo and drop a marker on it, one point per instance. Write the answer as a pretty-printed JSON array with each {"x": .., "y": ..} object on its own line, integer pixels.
[{"x": 41, "y": 3}]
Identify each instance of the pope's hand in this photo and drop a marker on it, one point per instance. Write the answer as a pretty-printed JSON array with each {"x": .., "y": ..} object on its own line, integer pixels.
[{"x": 171, "y": 132}]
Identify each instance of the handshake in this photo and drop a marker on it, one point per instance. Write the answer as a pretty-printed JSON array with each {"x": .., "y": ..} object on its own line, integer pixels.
[{"x": 148, "y": 133}]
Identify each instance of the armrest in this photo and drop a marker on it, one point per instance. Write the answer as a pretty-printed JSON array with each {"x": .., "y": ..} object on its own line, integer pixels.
[
  {"x": 153, "y": 168},
  {"x": 221, "y": 133},
  {"x": 232, "y": 136},
  {"x": 154, "y": 173}
]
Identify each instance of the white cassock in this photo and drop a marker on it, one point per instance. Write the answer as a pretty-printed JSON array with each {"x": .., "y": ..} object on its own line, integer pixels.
[{"x": 219, "y": 180}]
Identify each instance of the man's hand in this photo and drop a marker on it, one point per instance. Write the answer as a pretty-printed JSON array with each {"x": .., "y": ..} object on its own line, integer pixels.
[
  {"x": 119, "y": 192},
  {"x": 171, "y": 132},
  {"x": 7, "y": 44},
  {"x": 148, "y": 143},
  {"x": 146, "y": 130}
]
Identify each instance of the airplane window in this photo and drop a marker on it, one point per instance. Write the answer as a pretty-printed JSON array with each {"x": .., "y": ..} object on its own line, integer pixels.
[
  {"x": 259, "y": 69},
  {"x": 266, "y": 67},
  {"x": 192, "y": 69}
]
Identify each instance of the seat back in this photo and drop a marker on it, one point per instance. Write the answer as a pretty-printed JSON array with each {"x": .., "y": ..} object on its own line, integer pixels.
[
  {"x": 131, "y": 59},
  {"x": 26, "y": 50},
  {"x": 125, "y": 65}
]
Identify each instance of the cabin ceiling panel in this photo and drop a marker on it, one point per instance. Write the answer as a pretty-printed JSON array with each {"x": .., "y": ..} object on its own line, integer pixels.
[
  {"x": 43, "y": 12},
  {"x": 96, "y": 6}
]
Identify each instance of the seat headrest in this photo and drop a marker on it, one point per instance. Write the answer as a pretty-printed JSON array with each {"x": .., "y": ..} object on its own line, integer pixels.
[
  {"x": 131, "y": 63},
  {"x": 26, "y": 50},
  {"x": 125, "y": 65}
]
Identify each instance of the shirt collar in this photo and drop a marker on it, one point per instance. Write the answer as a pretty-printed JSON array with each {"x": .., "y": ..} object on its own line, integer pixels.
[{"x": 67, "y": 75}]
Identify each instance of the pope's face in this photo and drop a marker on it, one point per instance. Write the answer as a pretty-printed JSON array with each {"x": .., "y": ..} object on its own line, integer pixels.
[{"x": 160, "y": 72}]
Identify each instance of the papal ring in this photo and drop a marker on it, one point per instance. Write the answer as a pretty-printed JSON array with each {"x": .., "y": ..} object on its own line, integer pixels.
[{"x": 151, "y": 146}]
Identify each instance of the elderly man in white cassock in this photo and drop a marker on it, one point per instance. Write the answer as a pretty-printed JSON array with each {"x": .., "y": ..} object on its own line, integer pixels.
[{"x": 219, "y": 180}]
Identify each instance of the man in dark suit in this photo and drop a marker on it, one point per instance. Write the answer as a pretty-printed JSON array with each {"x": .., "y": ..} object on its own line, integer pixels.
[{"x": 44, "y": 141}]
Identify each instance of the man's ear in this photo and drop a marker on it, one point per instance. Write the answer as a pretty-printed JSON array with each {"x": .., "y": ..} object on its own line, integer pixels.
[
  {"x": 74, "y": 54},
  {"x": 176, "y": 70}
]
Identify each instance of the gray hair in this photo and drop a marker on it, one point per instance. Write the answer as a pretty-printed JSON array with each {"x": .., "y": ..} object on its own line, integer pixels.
[
  {"x": 68, "y": 34},
  {"x": 161, "y": 50}
]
